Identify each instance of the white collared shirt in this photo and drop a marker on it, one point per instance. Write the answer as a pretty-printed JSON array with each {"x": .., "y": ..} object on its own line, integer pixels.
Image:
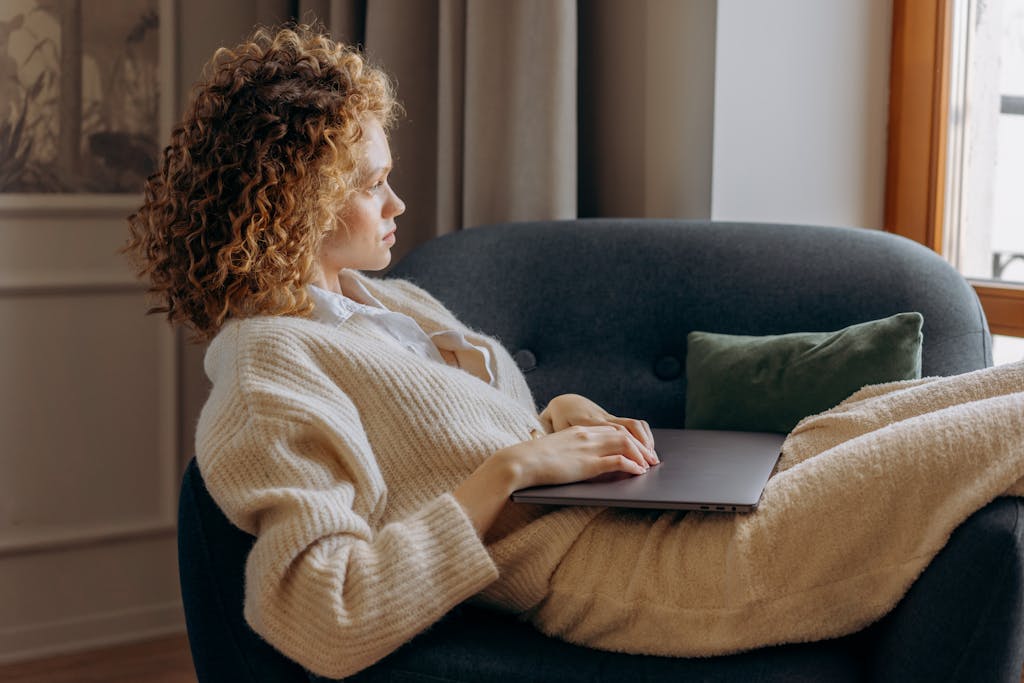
[{"x": 447, "y": 346}]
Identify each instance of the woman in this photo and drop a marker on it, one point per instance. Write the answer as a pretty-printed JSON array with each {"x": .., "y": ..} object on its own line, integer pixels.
[{"x": 370, "y": 441}]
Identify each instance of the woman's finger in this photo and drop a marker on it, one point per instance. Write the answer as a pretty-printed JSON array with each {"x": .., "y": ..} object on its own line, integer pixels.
[
  {"x": 607, "y": 439},
  {"x": 650, "y": 435},
  {"x": 620, "y": 463},
  {"x": 627, "y": 445},
  {"x": 635, "y": 428}
]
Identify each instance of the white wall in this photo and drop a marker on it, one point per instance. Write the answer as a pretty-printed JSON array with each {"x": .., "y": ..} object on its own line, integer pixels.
[{"x": 801, "y": 102}]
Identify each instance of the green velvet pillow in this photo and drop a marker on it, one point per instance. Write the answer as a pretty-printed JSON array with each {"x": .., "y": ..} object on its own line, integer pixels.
[{"x": 770, "y": 383}]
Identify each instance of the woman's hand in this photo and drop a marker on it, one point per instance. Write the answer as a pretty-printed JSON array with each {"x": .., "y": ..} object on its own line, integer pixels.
[
  {"x": 573, "y": 410},
  {"x": 569, "y": 455},
  {"x": 574, "y": 454}
]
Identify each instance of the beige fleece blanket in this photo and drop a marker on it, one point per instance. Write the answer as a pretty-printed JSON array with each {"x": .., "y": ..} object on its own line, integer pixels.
[{"x": 865, "y": 496}]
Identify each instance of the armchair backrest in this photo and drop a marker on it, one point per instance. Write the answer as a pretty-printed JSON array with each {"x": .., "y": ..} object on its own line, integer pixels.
[{"x": 602, "y": 308}]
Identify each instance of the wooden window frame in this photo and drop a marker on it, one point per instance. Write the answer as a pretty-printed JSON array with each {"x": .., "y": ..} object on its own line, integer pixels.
[{"x": 918, "y": 130}]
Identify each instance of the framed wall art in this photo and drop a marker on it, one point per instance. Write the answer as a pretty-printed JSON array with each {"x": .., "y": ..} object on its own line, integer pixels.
[{"x": 86, "y": 101}]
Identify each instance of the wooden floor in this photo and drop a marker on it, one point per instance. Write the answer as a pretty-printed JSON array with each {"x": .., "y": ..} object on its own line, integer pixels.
[{"x": 164, "y": 660}]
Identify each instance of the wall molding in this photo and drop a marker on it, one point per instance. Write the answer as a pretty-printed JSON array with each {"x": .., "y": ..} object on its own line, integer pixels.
[
  {"x": 68, "y": 206},
  {"x": 63, "y": 282},
  {"x": 58, "y": 537},
  {"x": 92, "y": 631},
  {"x": 69, "y": 537}
]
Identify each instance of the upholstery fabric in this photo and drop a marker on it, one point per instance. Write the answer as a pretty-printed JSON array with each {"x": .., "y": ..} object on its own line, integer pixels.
[
  {"x": 211, "y": 564},
  {"x": 620, "y": 339},
  {"x": 977, "y": 636}
]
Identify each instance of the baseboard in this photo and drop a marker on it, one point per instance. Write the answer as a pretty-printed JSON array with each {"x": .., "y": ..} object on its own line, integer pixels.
[{"x": 65, "y": 636}]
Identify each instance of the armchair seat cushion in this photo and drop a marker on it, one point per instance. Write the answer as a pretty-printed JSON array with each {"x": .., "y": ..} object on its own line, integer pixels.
[{"x": 479, "y": 644}]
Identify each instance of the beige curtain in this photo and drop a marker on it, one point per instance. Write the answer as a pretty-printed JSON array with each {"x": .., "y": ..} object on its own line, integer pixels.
[
  {"x": 541, "y": 109},
  {"x": 490, "y": 92}
]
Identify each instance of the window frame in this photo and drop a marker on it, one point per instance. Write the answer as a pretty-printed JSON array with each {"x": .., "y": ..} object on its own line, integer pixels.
[{"x": 916, "y": 157}]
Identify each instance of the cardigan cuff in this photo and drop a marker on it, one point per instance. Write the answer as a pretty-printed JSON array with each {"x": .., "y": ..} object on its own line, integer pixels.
[{"x": 467, "y": 567}]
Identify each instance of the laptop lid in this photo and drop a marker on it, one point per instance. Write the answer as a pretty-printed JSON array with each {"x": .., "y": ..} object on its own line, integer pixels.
[{"x": 714, "y": 471}]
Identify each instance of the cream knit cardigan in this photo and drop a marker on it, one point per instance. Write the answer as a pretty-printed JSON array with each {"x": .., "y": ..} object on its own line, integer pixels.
[{"x": 338, "y": 449}]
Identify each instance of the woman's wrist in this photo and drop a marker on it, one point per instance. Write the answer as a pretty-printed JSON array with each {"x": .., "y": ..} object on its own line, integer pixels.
[
  {"x": 505, "y": 472},
  {"x": 487, "y": 489}
]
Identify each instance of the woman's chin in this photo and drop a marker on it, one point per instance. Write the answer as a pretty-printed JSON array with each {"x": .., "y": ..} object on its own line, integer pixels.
[{"x": 381, "y": 263}]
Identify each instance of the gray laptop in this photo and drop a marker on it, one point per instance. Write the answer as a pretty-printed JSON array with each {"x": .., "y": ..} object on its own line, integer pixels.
[{"x": 714, "y": 471}]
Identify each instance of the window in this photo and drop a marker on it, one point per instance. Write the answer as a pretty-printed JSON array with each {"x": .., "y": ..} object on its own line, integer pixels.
[
  {"x": 984, "y": 218},
  {"x": 956, "y": 147}
]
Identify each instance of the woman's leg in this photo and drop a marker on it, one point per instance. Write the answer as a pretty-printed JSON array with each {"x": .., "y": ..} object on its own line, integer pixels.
[{"x": 838, "y": 539}]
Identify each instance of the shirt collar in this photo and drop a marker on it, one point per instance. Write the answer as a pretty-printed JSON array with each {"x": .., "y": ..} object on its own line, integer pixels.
[
  {"x": 353, "y": 288},
  {"x": 333, "y": 308}
]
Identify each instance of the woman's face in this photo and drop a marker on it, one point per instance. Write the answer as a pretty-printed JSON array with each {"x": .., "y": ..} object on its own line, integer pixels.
[{"x": 369, "y": 215}]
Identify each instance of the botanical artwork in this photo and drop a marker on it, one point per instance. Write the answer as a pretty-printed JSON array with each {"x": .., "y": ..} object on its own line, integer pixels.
[{"x": 79, "y": 96}]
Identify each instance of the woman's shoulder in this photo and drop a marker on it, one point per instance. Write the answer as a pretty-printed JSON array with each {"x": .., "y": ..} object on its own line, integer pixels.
[
  {"x": 266, "y": 342},
  {"x": 273, "y": 331}
]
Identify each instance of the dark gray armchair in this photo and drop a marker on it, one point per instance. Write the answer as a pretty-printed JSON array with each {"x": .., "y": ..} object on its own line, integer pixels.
[{"x": 602, "y": 308}]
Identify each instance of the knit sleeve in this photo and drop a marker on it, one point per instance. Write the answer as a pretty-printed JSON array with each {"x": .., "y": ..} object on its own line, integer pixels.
[{"x": 324, "y": 584}]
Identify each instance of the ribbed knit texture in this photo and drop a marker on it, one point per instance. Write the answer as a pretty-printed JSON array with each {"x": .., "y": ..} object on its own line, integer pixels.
[
  {"x": 865, "y": 496},
  {"x": 338, "y": 449}
]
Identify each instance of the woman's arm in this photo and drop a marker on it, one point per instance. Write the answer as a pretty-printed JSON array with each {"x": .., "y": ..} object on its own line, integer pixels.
[
  {"x": 571, "y": 454},
  {"x": 284, "y": 453},
  {"x": 322, "y": 586}
]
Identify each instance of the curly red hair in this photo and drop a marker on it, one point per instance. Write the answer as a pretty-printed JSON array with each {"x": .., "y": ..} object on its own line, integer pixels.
[{"x": 254, "y": 177}]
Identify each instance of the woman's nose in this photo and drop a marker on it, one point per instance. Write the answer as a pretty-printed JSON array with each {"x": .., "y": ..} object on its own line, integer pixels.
[{"x": 395, "y": 205}]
